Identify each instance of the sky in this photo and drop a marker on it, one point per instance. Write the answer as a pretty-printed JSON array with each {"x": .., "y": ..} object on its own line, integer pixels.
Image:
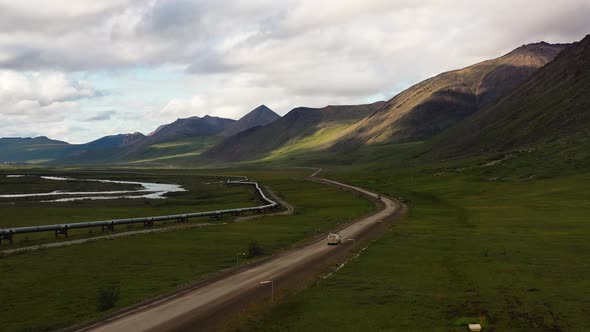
[{"x": 80, "y": 70}]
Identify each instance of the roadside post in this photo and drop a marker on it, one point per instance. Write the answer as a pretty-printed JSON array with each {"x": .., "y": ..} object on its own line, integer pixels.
[
  {"x": 238, "y": 257},
  {"x": 353, "y": 244},
  {"x": 272, "y": 290}
]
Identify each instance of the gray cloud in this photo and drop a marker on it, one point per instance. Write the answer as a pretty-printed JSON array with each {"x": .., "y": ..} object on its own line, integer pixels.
[
  {"x": 102, "y": 116},
  {"x": 229, "y": 56}
]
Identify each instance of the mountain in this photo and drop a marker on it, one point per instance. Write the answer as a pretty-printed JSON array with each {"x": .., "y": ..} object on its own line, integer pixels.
[
  {"x": 38, "y": 149},
  {"x": 260, "y": 116},
  {"x": 181, "y": 138},
  {"x": 433, "y": 105},
  {"x": 551, "y": 107},
  {"x": 299, "y": 124},
  {"x": 102, "y": 150},
  {"x": 190, "y": 127},
  {"x": 115, "y": 141}
]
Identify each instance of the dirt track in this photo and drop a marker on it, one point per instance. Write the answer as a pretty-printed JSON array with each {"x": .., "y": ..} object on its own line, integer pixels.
[{"x": 206, "y": 305}]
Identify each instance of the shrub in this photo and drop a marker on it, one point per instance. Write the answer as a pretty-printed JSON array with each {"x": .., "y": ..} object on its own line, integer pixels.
[
  {"x": 107, "y": 297},
  {"x": 254, "y": 249}
]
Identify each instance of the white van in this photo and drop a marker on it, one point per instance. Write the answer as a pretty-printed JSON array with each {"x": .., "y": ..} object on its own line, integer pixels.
[{"x": 334, "y": 239}]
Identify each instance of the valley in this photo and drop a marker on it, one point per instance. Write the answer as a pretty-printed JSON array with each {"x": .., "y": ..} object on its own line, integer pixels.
[
  {"x": 426, "y": 182},
  {"x": 165, "y": 261}
]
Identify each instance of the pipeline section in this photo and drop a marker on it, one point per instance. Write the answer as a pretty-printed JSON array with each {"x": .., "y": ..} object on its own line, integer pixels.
[{"x": 62, "y": 229}]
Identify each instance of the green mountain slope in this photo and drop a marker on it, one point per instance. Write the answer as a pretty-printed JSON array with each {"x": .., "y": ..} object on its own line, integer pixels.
[
  {"x": 38, "y": 149},
  {"x": 299, "y": 124},
  {"x": 190, "y": 127},
  {"x": 551, "y": 107},
  {"x": 178, "y": 149},
  {"x": 436, "y": 104},
  {"x": 182, "y": 137}
]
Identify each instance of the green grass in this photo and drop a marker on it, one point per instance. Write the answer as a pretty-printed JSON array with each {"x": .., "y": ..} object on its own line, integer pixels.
[
  {"x": 169, "y": 145},
  {"x": 167, "y": 157},
  {"x": 55, "y": 288},
  {"x": 513, "y": 255},
  {"x": 319, "y": 140},
  {"x": 171, "y": 152}
]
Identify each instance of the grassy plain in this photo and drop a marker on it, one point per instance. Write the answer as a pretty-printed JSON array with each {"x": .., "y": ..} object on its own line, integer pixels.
[
  {"x": 52, "y": 289},
  {"x": 504, "y": 244}
]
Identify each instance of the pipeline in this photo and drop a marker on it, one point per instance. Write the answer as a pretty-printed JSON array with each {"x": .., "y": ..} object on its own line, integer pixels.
[{"x": 62, "y": 229}]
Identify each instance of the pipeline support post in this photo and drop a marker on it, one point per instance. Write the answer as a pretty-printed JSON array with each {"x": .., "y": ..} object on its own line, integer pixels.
[
  {"x": 110, "y": 227},
  {"x": 6, "y": 236},
  {"x": 61, "y": 231}
]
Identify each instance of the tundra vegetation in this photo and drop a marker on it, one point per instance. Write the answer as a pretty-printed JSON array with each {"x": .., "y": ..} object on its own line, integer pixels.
[{"x": 63, "y": 285}]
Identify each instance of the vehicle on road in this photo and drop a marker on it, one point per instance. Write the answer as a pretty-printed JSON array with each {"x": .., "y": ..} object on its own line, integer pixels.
[{"x": 334, "y": 239}]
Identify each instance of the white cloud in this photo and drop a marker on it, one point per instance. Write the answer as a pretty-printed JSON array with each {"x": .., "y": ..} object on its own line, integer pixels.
[
  {"x": 39, "y": 102},
  {"x": 45, "y": 88},
  {"x": 234, "y": 55}
]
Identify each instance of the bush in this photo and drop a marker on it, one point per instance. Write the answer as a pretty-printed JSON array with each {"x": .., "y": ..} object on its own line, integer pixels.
[
  {"x": 107, "y": 297},
  {"x": 254, "y": 249}
]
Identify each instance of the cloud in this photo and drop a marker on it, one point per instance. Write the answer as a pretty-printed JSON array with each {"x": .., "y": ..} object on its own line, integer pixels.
[
  {"x": 42, "y": 88},
  {"x": 102, "y": 116},
  {"x": 230, "y": 56},
  {"x": 40, "y": 102}
]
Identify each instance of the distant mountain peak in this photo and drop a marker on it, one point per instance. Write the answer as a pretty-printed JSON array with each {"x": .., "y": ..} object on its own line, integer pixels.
[{"x": 260, "y": 116}]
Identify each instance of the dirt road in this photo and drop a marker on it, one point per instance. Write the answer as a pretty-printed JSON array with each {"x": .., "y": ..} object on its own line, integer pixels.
[{"x": 196, "y": 309}]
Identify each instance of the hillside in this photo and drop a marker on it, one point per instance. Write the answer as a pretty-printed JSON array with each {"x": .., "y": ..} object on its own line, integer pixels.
[
  {"x": 190, "y": 127},
  {"x": 183, "y": 137},
  {"x": 551, "y": 107},
  {"x": 42, "y": 149},
  {"x": 38, "y": 149},
  {"x": 436, "y": 104},
  {"x": 298, "y": 124},
  {"x": 115, "y": 141},
  {"x": 260, "y": 116}
]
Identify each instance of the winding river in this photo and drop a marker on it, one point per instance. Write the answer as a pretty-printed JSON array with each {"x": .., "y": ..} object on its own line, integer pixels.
[{"x": 149, "y": 190}]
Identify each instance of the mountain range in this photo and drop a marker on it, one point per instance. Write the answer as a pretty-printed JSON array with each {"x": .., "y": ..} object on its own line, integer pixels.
[
  {"x": 295, "y": 126},
  {"x": 183, "y": 136},
  {"x": 536, "y": 94}
]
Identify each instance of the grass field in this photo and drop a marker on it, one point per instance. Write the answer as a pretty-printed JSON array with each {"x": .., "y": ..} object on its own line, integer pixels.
[
  {"x": 511, "y": 253},
  {"x": 55, "y": 288}
]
